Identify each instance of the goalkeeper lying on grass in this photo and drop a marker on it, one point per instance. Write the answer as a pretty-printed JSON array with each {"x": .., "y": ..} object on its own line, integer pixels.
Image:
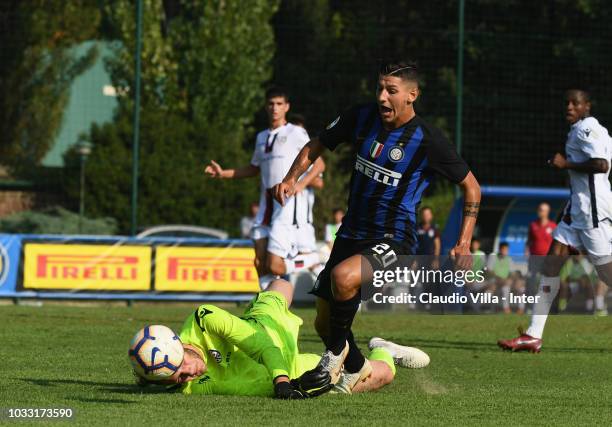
[{"x": 257, "y": 354}]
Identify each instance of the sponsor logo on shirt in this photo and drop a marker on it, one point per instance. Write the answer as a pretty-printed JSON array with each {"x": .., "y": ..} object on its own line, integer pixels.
[
  {"x": 377, "y": 173},
  {"x": 216, "y": 355},
  {"x": 203, "y": 379}
]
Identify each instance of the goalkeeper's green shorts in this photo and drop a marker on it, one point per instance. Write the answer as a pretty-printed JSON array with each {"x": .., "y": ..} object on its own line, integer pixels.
[{"x": 270, "y": 310}]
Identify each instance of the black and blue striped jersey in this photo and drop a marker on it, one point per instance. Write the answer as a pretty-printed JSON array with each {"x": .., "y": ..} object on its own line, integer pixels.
[{"x": 392, "y": 170}]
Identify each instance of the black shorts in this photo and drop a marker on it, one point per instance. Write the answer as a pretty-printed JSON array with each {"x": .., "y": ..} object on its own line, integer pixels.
[{"x": 382, "y": 254}]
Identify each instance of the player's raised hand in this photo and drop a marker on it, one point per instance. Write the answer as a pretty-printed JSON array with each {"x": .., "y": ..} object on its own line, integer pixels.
[
  {"x": 461, "y": 256},
  {"x": 283, "y": 191},
  {"x": 214, "y": 170},
  {"x": 558, "y": 161}
]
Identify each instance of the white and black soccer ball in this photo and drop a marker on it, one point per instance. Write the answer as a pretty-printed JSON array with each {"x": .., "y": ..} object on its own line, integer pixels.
[{"x": 156, "y": 352}]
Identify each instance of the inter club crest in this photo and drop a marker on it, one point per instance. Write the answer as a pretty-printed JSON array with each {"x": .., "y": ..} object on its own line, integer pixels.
[
  {"x": 396, "y": 154},
  {"x": 375, "y": 149}
]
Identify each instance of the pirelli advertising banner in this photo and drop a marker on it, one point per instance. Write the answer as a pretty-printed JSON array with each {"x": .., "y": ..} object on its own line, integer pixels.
[
  {"x": 114, "y": 267},
  {"x": 205, "y": 269},
  {"x": 87, "y": 267}
]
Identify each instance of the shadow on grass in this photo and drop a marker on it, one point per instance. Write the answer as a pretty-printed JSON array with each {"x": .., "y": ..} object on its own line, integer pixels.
[
  {"x": 116, "y": 401},
  {"x": 492, "y": 346},
  {"x": 107, "y": 387},
  {"x": 460, "y": 345},
  {"x": 464, "y": 345}
]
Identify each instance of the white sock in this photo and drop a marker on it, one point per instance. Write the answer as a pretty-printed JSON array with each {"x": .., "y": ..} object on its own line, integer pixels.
[
  {"x": 589, "y": 304},
  {"x": 505, "y": 290},
  {"x": 264, "y": 281},
  {"x": 301, "y": 262},
  {"x": 549, "y": 288},
  {"x": 599, "y": 302}
]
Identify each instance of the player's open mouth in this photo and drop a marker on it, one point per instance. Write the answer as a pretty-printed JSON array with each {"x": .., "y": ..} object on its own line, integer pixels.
[{"x": 385, "y": 111}]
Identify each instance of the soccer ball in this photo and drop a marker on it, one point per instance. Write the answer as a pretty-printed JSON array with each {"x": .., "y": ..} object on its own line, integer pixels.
[{"x": 156, "y": 352}]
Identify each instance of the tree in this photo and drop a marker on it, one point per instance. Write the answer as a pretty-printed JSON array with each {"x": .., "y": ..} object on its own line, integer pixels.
[
  {"x": 37, "y": 68},
  {"x": 204, "y": 67}
]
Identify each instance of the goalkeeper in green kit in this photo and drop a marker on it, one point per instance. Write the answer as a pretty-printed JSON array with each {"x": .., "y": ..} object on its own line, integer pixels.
[{"x": 257, "y": 354}]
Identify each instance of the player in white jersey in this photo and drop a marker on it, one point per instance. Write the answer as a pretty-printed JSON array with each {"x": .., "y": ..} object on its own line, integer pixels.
[
  {"x": 305, "y": 229},
  {"x": 307, "y": 241},
  {"x": 308, "y": 257},
  {"x": 275, "y": 149},
  {"x": 586, "y": 224}
]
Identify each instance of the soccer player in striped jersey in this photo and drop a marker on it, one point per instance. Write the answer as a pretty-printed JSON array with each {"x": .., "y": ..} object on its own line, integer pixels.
[
  {"x": 587, "y": 220},
  {"x": 397, "y": 155}
]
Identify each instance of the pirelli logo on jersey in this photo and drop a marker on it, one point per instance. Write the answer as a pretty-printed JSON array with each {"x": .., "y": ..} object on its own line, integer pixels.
[
  {"x": 377, "y": 173},
  {"x": 86, "y": 267},
  {"x": 180, "y": 269}
]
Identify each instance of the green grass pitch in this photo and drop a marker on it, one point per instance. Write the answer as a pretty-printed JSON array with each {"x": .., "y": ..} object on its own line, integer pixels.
[{"x": 66, "y": 356}]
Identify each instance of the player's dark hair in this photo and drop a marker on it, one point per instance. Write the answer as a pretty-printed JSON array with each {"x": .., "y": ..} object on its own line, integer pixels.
[
  {"x": 277, "y": 92},
  {"x": 504, "y": 245},
  {"x": 336, "y": 210},
  {"x": 585, "y": 93},
  {"x": 404, "y": 69}
]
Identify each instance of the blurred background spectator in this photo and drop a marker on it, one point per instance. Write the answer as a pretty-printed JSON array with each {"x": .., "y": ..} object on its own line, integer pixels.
[
  {"x": 538, "y": 242},
  {"x": 332, "y": 229},
  {"x": 506, "y": 277},
  {"x": 246, "y": 222},
  {"x": 428, "y": 240}
]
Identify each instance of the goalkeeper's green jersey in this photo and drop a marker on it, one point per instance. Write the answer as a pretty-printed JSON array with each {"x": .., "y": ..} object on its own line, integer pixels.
[{"x": 244, "y": 354}]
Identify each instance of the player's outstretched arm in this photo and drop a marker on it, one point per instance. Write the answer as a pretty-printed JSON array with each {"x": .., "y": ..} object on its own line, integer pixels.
[
  {"x": 302, "y": 162},
  {"x": 590, "y": 166},
  {"x": 312, "y": 177},
  {"x": 214, "y": 170},
  {"x": 471, "y": 205},
  {"x": 239, "y": 332}
]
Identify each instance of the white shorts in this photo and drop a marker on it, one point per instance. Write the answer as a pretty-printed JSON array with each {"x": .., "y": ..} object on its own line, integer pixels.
[
  {"x": 596, "y": 242},
  {"x": 260, "y": 232},
  {"x": 306, "y": 239},
  {"x": 282, "y": 240}
]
